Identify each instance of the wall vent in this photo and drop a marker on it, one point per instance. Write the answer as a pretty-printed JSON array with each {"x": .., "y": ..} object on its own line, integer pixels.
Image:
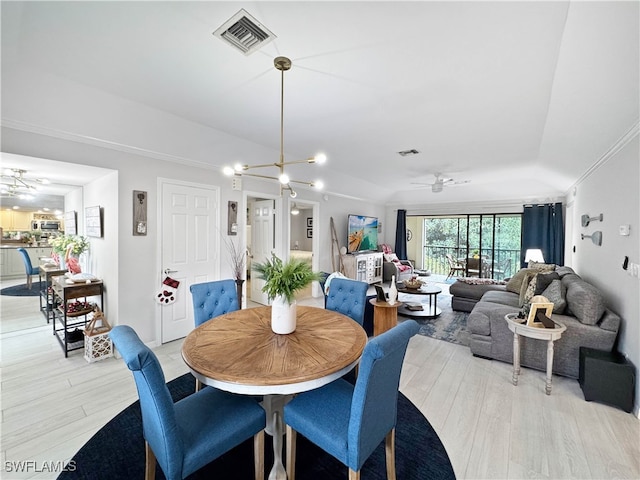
[{"x": 244, "y": 32}]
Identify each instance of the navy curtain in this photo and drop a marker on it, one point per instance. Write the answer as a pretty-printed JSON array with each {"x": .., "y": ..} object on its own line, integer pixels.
[
  {"x": 401, "y": 235},
  {"x": 543, "y": 228}
]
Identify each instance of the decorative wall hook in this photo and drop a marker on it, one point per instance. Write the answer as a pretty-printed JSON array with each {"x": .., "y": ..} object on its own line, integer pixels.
[
  {"x": 596, "y": 237},
  {"x": 586, "y": 219}
]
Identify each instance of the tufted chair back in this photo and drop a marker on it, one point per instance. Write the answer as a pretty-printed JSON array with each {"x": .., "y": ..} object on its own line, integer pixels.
[
  {"x": 212, "y": 299},
  {"x": 348, "y": 297}
]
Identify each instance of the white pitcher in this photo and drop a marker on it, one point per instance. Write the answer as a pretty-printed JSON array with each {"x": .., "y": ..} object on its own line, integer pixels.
[{"x": 393, "y": 291}]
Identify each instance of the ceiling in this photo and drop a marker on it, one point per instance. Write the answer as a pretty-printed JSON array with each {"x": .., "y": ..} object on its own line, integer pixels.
[{"x": 520, "y": 99}]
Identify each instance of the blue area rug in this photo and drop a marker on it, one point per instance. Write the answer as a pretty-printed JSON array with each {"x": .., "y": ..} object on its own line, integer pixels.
[
  {"x": 22, "y": 290},
  {"x": 450, "y": 326},
  {"x": 116, "y": 451}
]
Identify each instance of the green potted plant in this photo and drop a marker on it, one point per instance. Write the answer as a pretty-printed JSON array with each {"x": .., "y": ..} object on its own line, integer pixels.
[{"x": 282, "y": 281}]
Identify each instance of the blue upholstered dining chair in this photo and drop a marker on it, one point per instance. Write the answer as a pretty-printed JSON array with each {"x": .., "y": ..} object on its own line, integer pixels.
[
  {"x": 349, "y": 421},
  {"x": 211, "y": 299},
  {"x": 185, "y": 436},
  {"x": 348, "y": 297},
  {"x": 31, "y": 270}
]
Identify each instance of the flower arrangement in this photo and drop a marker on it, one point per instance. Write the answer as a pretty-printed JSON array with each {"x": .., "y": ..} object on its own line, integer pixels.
[
  {"x": 78, "y": 244},
  {"x": 285, "y": 278}
]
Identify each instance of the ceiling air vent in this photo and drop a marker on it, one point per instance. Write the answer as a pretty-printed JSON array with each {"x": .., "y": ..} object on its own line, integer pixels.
[
  {"x": 405, "y": 153},
  {"x": 244, "y": 32}
]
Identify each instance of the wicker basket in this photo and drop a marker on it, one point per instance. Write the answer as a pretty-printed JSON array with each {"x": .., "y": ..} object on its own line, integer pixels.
[{"x": 97, "y": 343}]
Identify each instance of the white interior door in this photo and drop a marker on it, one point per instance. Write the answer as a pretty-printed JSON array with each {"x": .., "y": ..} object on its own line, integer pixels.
[
  {"x": 262, "y": 244},
  {"x": 189, "y": 249}
]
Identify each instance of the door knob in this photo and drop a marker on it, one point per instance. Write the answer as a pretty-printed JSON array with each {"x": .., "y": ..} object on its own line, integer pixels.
[{"x": 167, "y": 271}]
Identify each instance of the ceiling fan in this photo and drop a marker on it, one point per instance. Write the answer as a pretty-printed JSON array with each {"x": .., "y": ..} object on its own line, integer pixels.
[{"x": 441, "y": 182}]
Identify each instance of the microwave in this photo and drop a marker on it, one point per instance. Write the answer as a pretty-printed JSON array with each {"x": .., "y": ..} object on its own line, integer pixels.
[{"x": 49, "y": 225}]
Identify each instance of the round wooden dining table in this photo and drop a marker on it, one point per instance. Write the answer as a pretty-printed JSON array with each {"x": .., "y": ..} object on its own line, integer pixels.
[{"x": 238, "y": 352}]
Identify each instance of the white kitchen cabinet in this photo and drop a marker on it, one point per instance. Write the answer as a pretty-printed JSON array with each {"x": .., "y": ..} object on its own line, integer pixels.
[{"x": 12, "y": 264}]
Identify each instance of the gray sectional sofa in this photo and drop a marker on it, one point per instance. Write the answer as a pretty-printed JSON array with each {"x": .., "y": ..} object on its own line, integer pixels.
[{"x": 589, "y": 323}]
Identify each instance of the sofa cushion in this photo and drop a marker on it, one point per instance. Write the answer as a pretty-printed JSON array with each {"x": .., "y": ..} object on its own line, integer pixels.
[
  {"x": 583, "y": 300},
  {"x": 515, "y": 283},
  {"x": 543, "y": 280},
  {"x": 502, "y": 298},
  {"x": 556, "y": 295},
  {"x": 563, "y": 270},
  {"x": 475, "y": 292}
]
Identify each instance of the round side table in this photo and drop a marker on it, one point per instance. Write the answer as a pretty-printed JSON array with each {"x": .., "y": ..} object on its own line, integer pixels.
[
  {"x": 550, "y": 335},
  {"x": 385, "y": 316}
]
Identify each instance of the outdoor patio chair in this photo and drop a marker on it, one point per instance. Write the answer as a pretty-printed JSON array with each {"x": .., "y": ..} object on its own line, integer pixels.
[{"x": 454, "y": 266}]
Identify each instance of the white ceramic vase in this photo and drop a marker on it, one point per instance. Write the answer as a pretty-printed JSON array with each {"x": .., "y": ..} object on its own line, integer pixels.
[
  {"x": 283, "y": 315},
  {"x": 393, "y": 291}
]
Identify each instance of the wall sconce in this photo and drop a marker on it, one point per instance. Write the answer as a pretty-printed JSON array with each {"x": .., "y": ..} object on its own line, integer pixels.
[
  {"x": 533, "y": 255},
  {"x": 586, "y": 219},
  {"x": 596, "y": 237}
]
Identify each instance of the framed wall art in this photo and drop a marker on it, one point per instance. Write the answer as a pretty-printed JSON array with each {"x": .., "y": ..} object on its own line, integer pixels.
[
  {"x": 232, "y": 218},
  {"x": 70, "y": 223},
  {"x": 139, "y": 212},
  {"x": 93, "y": 221}
]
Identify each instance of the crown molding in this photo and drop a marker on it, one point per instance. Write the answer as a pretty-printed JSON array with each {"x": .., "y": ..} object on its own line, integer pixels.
[
  {"x": 98, "y": 142},
  {"x": 611, "y": 152}
]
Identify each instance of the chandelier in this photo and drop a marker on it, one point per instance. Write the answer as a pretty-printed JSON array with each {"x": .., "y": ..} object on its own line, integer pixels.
[
  {"x": 283, "y": 64},
  {"x": 14, "y": 184}
]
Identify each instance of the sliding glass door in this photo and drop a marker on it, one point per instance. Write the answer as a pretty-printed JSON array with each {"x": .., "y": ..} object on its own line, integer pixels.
[{"x": 487, "y": 245}]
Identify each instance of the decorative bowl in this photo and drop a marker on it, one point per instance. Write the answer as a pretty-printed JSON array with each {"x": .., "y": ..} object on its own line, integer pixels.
[{"x": 413, "y": 284}]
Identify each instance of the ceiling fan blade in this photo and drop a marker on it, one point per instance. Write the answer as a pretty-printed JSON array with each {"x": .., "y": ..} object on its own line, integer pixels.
[{"x": 421, "y": 184}]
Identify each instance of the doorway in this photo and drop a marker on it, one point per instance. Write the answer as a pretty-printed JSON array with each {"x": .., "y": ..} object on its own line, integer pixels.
[{"x": 303, "y": 240}]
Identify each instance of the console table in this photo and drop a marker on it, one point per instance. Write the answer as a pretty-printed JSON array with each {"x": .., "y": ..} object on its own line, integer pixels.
[
  {"x": 47, "y": 272},
  {"x": 64, "y": 321}
]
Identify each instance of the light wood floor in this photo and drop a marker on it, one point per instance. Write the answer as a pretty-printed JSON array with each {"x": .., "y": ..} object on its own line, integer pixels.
[{"x": 51, "y": 406}]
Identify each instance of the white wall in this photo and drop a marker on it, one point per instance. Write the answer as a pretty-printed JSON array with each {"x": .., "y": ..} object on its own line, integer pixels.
[
  {"x": 103, "y": 192},
  {"x": 612, "y": 189}
]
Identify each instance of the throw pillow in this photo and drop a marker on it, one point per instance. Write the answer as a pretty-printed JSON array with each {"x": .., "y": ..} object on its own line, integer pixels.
[
  {"x": 528, "y": 288},
  {"x": 556, "y": 294},
  {"x": 584, "y": 301},
  {"x": 390, "y": 257},
  {"x": 544, "y": 280},
  {"x": 542, "y": 267},
  {"x": 515, "y": 283}
]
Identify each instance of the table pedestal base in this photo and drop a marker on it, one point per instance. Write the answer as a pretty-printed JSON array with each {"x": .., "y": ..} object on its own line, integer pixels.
[{"x": 274, "y": 409}]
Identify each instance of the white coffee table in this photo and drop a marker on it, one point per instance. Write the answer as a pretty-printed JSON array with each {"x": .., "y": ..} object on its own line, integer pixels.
[{"x": 539, "y": 333}]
